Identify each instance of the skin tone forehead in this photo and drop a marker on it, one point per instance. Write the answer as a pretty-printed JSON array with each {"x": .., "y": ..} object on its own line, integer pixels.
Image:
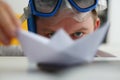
[{"x": 69, "y": 25}]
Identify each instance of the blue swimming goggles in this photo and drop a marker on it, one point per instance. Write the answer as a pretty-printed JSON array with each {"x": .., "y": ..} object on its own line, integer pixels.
[{"x": 48, "y": 8}]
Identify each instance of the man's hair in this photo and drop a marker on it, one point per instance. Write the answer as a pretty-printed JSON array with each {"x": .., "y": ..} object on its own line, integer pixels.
[{"x": 94, "y": 15}]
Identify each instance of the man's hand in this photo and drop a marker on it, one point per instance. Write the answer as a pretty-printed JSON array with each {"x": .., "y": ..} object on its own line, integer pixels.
[{"x": 8, "y": 23}]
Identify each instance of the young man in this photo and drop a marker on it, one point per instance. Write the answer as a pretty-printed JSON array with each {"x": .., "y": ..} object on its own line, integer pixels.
[{"x": 77, "y": 17}]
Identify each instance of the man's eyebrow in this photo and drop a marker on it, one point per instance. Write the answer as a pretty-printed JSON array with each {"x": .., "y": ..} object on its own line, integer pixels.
[{"x": 83, "y": 28}]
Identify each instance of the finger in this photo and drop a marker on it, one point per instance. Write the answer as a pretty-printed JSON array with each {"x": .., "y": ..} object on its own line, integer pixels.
[
  {"x": 12, "y": 16},
  {"x": 6, "y": 23},
  {"x": 3, "y": 38}
]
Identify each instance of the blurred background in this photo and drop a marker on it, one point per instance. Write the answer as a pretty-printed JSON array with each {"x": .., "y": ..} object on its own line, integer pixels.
[{"x": 111, "y": 43}]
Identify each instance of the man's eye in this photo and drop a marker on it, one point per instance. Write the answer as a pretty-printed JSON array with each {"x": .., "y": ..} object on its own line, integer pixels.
[{"x": 77, "y": 35}]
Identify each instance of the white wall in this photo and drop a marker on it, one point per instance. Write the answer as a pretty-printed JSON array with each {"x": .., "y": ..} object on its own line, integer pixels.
[
  {"x": 114, "y": 34},
  {"x": 113, "y": 45},
  {"x": 17, "y": 5}
]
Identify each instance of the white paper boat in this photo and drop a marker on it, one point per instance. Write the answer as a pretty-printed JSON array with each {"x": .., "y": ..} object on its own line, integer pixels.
[{"x": 61, "y": 49}]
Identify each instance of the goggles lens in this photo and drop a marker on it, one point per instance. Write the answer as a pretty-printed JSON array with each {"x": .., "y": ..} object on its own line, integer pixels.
[
  {"x": 45, "y": 6},
  {"x": 84, "y": 3}
]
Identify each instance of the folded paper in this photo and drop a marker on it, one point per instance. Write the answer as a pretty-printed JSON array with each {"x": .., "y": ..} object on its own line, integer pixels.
[{"x": 61, "y": 49}]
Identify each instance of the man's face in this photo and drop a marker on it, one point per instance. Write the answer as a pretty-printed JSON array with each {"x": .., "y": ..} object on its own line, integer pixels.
[{"x": 74, "y": 28}]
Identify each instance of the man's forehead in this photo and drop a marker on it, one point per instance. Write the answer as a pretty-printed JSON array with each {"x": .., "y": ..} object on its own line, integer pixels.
[{"x": 67, "y": 29}]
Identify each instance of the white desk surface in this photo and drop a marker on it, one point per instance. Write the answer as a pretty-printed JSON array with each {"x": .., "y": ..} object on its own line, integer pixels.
[{"x": 18, "y": 68}]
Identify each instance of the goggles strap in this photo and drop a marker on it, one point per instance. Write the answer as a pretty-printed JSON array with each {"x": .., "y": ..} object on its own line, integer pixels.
[{"x": 25, "y": 15}]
